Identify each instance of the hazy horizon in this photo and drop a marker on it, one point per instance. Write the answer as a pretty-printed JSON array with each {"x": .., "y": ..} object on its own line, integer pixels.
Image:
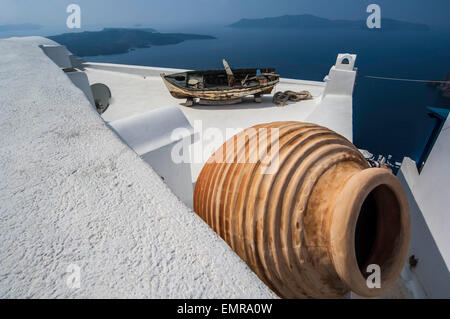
[{"x": 172, "y": 13}]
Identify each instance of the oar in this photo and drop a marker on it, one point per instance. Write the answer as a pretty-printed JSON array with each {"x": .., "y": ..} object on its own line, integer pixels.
[{"x": 230, "y": 74}]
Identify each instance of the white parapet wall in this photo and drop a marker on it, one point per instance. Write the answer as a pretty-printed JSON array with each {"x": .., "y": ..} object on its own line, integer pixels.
[
  {"x": 341, "y": 78},
  {"x": 430, "y": 202},
  {"x": 58, "y": 54},
  {"x": 431, "y": 276},
  {"x": 432, "y": 189},
  {"x": 80, "y": 80},
  {"x": 81, "y": 214},
  {"x": 156, "y": 136},
  {"x": 335, "y": 109},
  {"x": 143, "y": 71}
]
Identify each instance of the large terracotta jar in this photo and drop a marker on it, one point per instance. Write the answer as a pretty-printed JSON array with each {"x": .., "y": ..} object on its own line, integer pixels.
[{"x": 301, "y": 206}]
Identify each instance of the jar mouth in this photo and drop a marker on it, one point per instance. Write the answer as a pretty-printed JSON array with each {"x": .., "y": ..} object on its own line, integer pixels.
[{"x": 370, "y": 228}]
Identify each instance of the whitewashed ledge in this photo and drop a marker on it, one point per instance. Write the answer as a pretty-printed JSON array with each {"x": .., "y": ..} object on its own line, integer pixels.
[{"x": 72, "y": 193}]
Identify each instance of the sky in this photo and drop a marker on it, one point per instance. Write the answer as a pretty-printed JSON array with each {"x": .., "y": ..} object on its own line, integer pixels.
[{"x": 198, "y": 12}]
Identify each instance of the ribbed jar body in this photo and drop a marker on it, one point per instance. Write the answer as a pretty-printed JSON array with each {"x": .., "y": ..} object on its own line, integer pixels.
[{"x": 270, "y": 192}]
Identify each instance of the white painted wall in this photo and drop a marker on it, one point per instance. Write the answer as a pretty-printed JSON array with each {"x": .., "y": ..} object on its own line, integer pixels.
[
  {"x": 131, "y": 69},
  {"x": 335, "y": 110},
  {"x": 81, "y": 81},
  {"x": 341, "y": 78},
  {"x": 150, "y": 135},
  {"x": 432, "y": 192},
  {"x": 58, "y": 54},
  {"x": 431, "y": 275}
]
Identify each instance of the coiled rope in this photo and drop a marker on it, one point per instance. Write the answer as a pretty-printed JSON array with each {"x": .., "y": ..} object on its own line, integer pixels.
[{"x": 281, "y": 98}]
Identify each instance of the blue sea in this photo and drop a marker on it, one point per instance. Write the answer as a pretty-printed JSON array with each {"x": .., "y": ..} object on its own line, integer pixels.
[{"x": 389, "y": 117}]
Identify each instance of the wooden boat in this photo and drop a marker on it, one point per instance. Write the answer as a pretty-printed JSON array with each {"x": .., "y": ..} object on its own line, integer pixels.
[{"x": 226, "y": 86}]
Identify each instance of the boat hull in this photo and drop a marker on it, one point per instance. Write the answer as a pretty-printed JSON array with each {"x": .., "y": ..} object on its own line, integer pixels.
[{"x": 217, "y": 95}]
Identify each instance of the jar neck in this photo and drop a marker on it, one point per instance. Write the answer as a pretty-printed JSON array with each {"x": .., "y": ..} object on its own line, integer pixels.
[{"x": 370, "y": 226}]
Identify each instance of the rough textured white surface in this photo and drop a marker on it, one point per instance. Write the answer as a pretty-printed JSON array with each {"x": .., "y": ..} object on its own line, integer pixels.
[
  {"x": 34, "y": 40},
  {"x": 72, "y": 193}
]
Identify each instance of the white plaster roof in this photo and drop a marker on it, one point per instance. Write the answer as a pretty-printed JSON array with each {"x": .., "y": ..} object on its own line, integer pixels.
[
  {"x": 136, "y": 94},
  {"x": 35, "y": 40},
  {"x": 137, "y": 90},
  {"x": 72, "y": 193}
]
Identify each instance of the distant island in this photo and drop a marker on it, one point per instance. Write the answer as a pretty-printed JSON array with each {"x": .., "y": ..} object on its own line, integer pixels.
[
  {"x": 308, "y": 21},
  {"x": 119, "y": 40},
  {"x": 19, "y": 27}
]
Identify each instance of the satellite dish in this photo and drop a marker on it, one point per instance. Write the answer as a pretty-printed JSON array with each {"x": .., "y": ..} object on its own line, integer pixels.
[{"x": 102, "y": 96}]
